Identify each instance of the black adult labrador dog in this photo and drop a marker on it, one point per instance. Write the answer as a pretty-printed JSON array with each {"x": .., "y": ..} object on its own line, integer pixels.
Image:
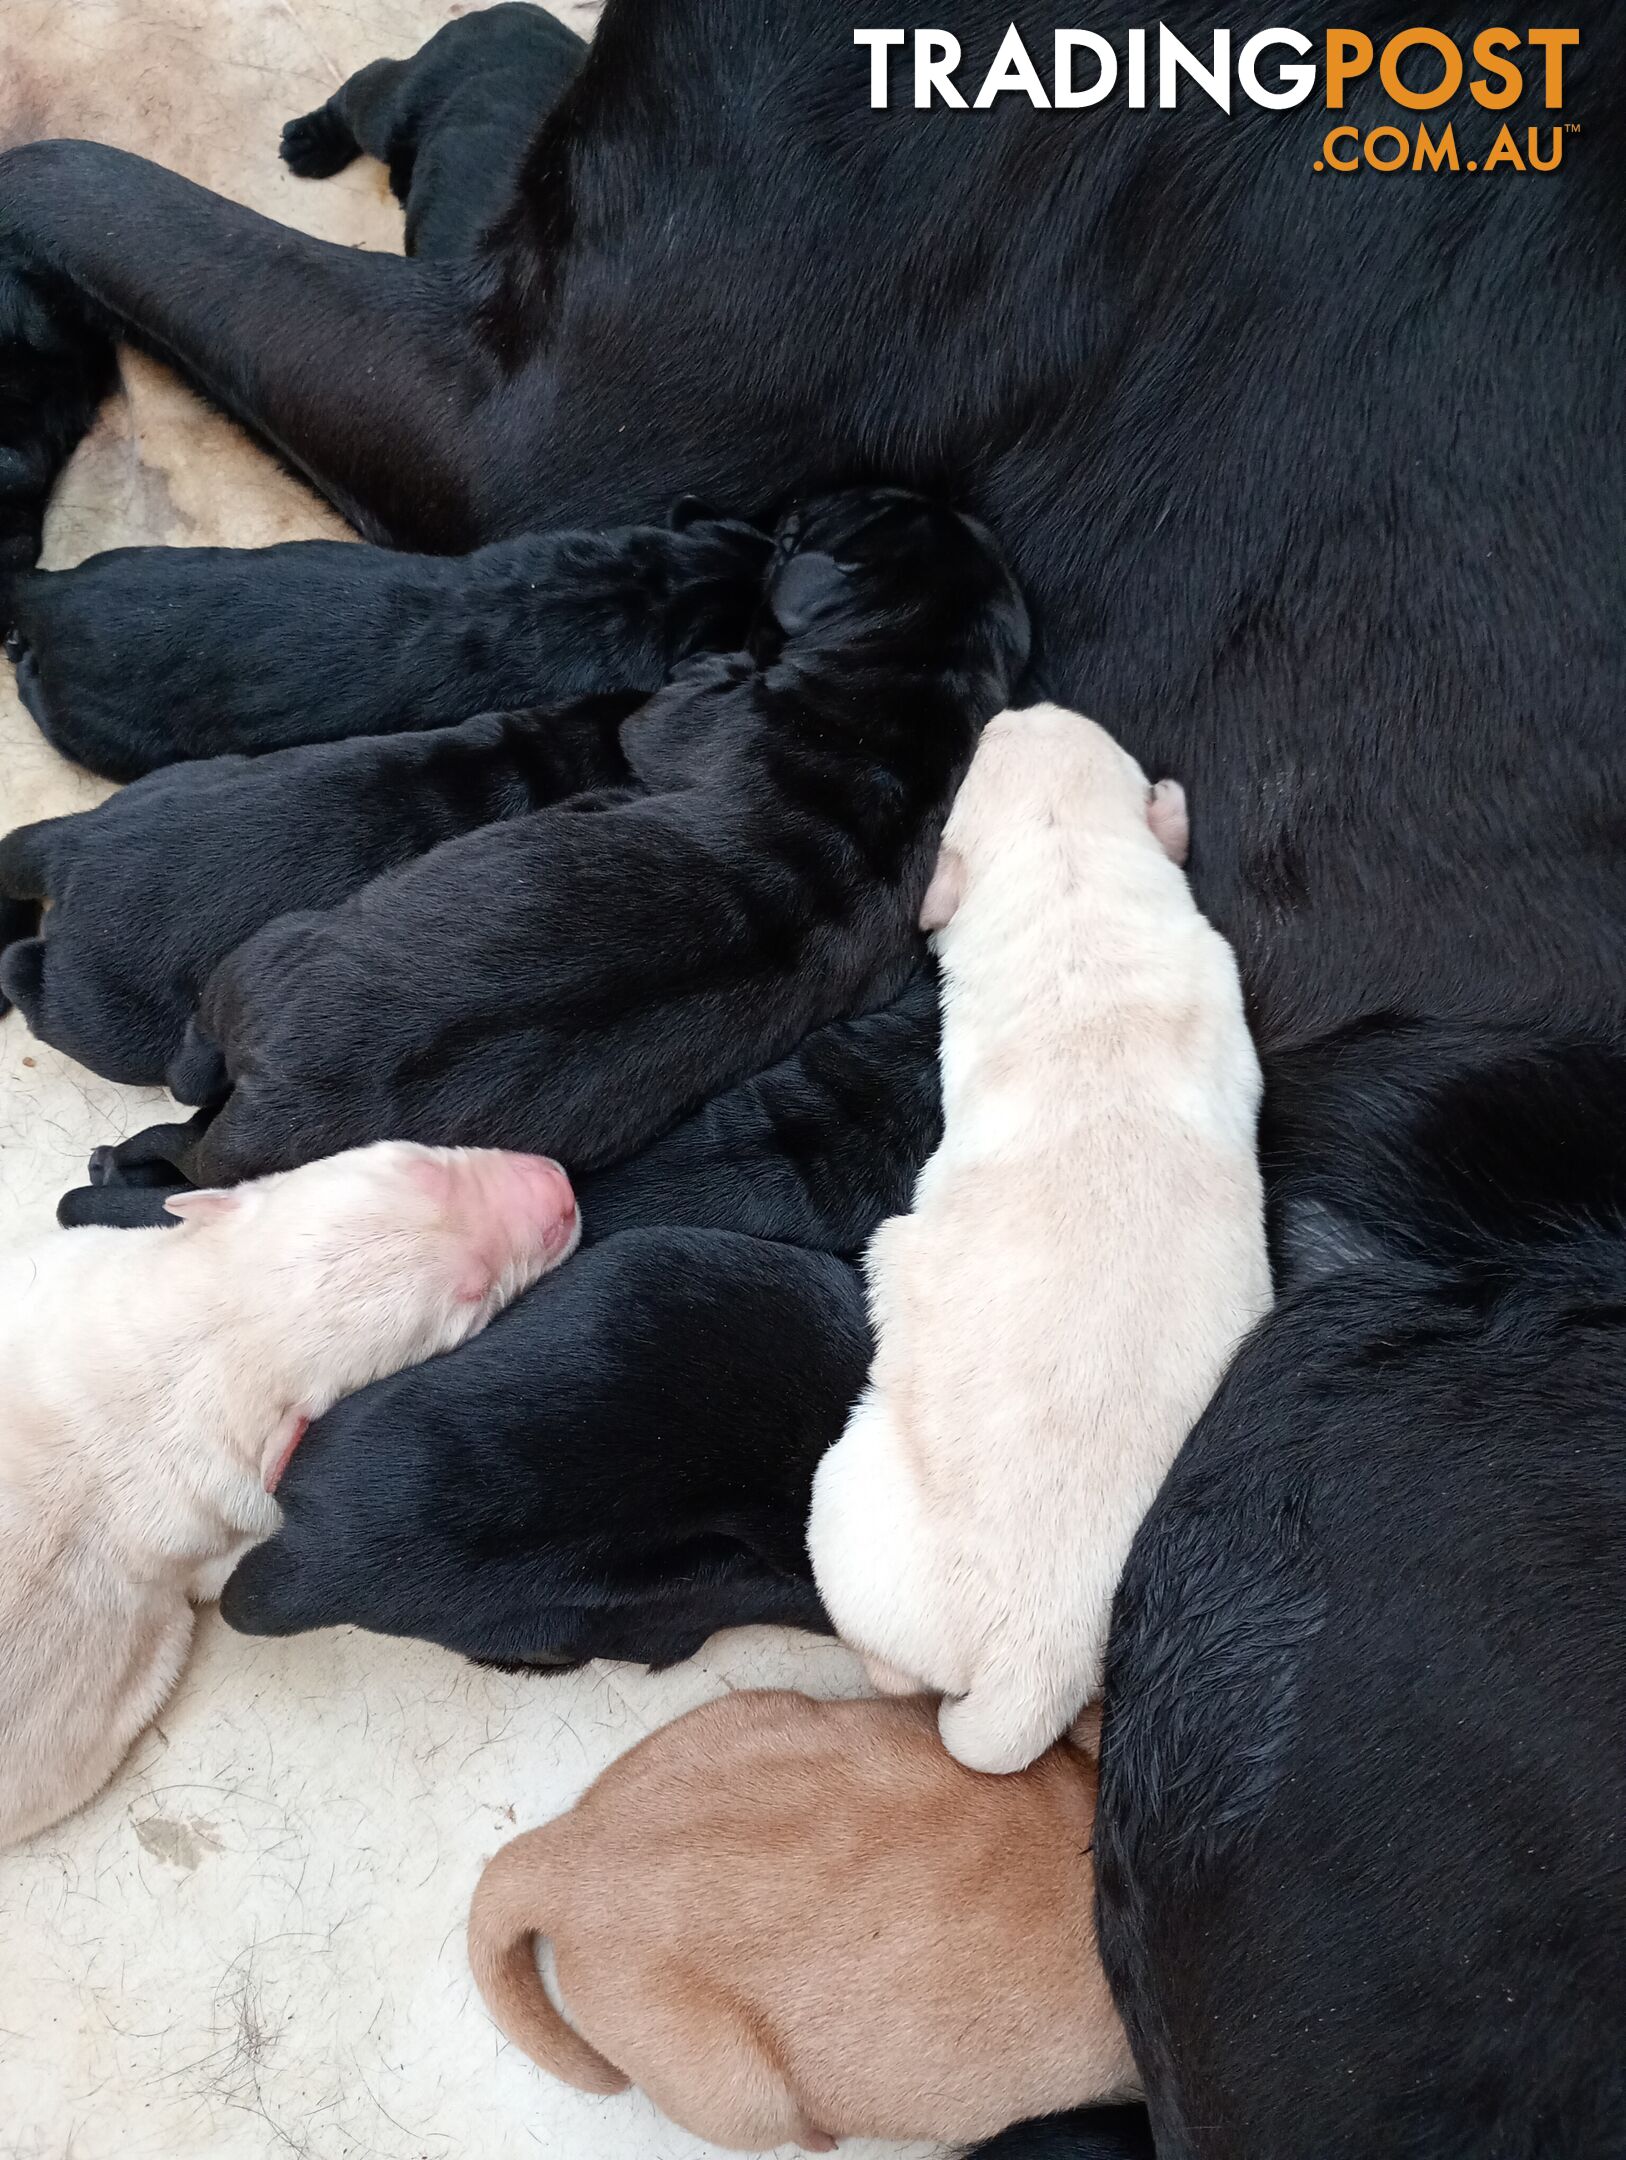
[{"x": 1315, "y": 482}]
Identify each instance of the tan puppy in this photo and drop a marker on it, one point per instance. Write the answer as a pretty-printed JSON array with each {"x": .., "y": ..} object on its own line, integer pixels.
[
  {"x": 1087, "y": 1246},
  {"x": 795, "y": 1921},
  {"x": 153, "y": 1384}
]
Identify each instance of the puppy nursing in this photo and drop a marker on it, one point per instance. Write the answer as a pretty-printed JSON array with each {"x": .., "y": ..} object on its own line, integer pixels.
[
  {"x": 1086, "y": 1249},
  {"x": 796, "y": 1921},
  {"x": 138, "y": 1458}
]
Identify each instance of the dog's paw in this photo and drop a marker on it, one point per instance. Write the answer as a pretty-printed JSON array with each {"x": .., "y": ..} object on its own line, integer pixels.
[
  {"x": 1170, "y": 821},
  {"x": 318, "y": 144}
]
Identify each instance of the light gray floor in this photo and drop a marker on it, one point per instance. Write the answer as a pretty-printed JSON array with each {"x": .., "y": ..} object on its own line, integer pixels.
[{"x": 251, "y": 1944}]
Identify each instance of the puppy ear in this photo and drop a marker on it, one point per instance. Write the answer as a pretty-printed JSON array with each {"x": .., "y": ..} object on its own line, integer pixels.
[
  {"x": 206, "y": 1205},
  {"x": 432, "y": 1174},
  {"x": 280, "y": 1448},
  {"x": 1169, "y": 819},
  {"x": 944, "y": 893},
  {"x": 1085, "y": 1732},
  {"x": 805, "y": 590}
]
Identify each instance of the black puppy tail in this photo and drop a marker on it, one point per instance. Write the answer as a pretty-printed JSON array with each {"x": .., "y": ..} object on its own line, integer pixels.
[{"x": 198, "y": 1072}]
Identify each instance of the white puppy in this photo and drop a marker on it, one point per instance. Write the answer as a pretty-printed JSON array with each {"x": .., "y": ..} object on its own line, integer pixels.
[
  {"x": 153, "y": 1384},
  {"x": 1087, "y": 1246}
]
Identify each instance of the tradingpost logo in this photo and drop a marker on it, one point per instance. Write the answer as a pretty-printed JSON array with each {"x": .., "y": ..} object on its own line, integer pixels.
[{"x": 1418, "y": 71}]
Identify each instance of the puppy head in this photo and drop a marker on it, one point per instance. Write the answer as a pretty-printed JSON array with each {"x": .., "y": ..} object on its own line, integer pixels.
[
  {"x": 375, "y": 1259},
  {"x": 885, "y": 566},
  {"x": 1044, "y": 767}
]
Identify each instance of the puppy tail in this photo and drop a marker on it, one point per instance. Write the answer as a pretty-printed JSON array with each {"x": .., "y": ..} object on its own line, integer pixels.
[
  {"x": 198, "y": 1072},
  {"x": 504, "y": 1921}
]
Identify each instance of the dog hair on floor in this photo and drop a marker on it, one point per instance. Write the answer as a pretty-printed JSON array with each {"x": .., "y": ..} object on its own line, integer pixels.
[
  {"x": 792, "y": 1921},
  {"x": 1085, "y": 1251},
  {"x": 153, "y": 1388}
]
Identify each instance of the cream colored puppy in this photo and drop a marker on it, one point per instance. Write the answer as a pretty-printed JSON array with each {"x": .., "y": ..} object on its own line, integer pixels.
[
  {"x": 1086, "y": 1250},
  {"x": 153, "y": 1384}
]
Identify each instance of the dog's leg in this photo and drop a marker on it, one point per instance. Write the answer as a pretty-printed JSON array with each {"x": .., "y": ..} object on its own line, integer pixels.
[
  {"x": 148, "y": 1160},
  {"x": 265, "y": 321},
  {"x": 453, "y": 124},
  {"x": 703, "y": 2064}
]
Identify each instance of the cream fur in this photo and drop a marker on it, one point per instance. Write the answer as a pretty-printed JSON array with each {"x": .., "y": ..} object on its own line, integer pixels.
[
  {"x": 152, "y": 1383},
  {"x": 1086, "y": 1248}
]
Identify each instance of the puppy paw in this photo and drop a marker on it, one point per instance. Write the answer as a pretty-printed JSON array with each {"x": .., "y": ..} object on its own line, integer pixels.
[
  {"x": 1169, "y": 819},
  {"x": 318, "y": 144}
]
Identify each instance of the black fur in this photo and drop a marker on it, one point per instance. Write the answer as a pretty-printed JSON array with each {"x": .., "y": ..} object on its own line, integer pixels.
[
  {"x": 1449, "y": 1142},
  {"x": 152, "y": 890},
  {"x": 1362, "y": 1882},
  {"x": 1314, "y": 483},
  {"x": 573, "y": 984},
  {"x": 1370, "y": 1646},
  {"x": 620, "y": 1465},
  {"x": 56, "y": 366},
  {"x": 1112, "y": 2133},
  {"x": 817, "y": 1151},
  {"x": 452, "y": 124},
  {"x": 143, "y": 656}
]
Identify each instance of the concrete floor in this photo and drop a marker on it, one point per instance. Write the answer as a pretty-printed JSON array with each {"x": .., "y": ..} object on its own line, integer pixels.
[{"x": 251, "y": 1944}]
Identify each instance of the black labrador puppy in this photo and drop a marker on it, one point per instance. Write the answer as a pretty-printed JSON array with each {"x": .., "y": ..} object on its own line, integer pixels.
[
  {"x": 576, "y": 983},
  {"x": 620, "y": 1465},
  {"x": 144, "y": 656},
  {"x": 816, "y": 1151},
  {"x": 452, "y": 124},
  {"x": 149, "y": 892}
]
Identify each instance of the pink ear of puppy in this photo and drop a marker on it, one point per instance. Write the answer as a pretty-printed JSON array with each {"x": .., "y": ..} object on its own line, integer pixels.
[
  {"x": 944, "y": 893},
  {"x": 281, "y": 1451},
  {"x": 1169, "y": 819},
  {"x": 206, "y": 1206}
]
